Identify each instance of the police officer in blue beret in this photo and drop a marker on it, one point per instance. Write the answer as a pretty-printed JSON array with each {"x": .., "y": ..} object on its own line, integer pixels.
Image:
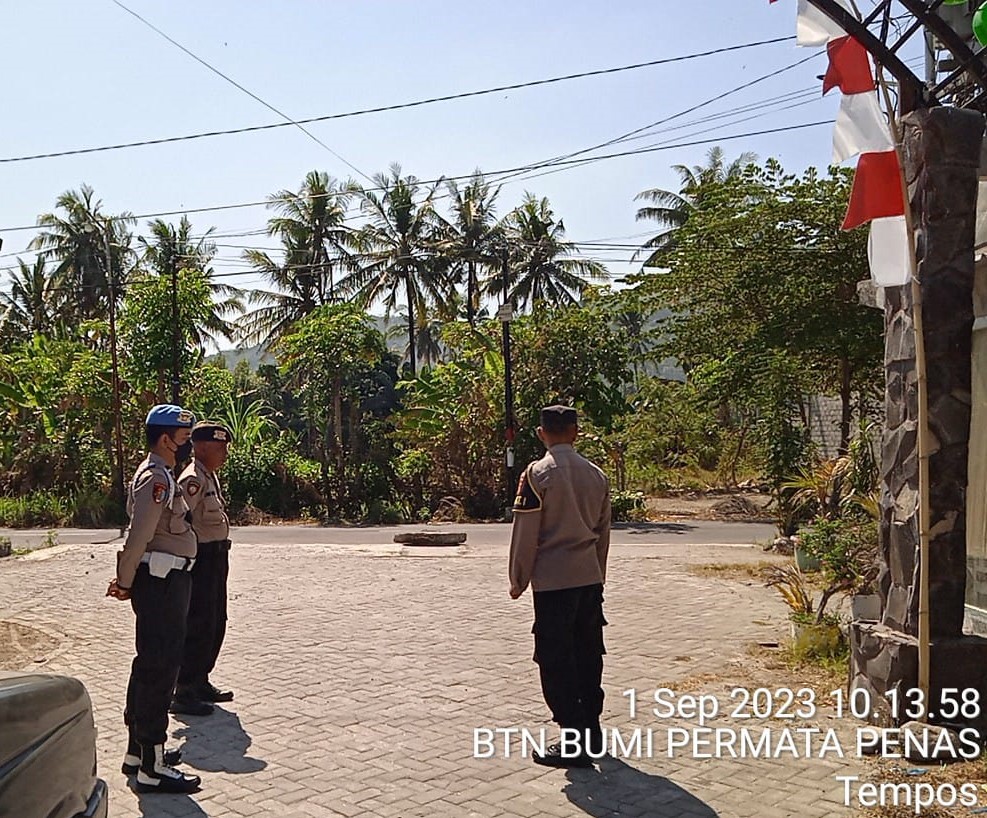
[{"x": 153, "y": 572}]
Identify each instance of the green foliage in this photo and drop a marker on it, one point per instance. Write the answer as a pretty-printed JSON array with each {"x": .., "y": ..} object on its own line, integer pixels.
[
  {"x": 760, "y": 292},
  {"x": 146, "y": 325},
  {"x": 847, "y": 551},
  {"x": 574, "y": 355},
  {"x": 338, "y": 362},
  {"x": 453, "y": 421},
  {"x": 627, "y": 506},
  {"x": 35, "y": 510},
  {"x": 273, "y": 478}
]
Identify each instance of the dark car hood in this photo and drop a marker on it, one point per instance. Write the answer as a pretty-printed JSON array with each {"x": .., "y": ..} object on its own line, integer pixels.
[{"x": 47, "y": 741}]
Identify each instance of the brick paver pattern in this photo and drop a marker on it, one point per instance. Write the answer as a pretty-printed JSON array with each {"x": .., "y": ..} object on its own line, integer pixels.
[{"x": 361, "y": 674}]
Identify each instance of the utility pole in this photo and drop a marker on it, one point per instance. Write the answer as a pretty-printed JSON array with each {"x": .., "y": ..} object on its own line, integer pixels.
[
  {"x": 506, "y": 315},
  {"x": 175, "y": 337},
  {"x": 117, "y": 429}
]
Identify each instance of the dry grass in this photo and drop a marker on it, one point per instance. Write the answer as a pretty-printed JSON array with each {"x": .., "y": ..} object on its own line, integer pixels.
[
  {"x": 743, "y": 571},
  {"x": 901, "y": 771}
]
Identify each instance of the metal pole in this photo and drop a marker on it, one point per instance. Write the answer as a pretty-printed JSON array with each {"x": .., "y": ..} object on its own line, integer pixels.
[
  {"x": 117, "y": 429},
  {"x": 509, "y": 429},
  {"x": 176, "y": 336}
]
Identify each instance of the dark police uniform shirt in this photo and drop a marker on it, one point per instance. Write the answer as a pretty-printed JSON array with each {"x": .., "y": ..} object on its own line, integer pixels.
[
  {"x": 157, "y": 511},
  {"x": 561, "y": 533}
]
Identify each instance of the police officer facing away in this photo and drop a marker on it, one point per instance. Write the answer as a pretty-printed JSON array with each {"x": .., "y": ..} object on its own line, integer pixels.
[
  {"x": 153, "y": 572},
  {"x": 559, "y": 544},
  {"x": 207, "y": 609}
]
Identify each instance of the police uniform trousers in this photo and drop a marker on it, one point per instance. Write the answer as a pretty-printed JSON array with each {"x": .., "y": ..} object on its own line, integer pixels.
[
  {"x": 569, "y": 651},
  {"x": 206, "y": 613},
  {"x": 161, "y": 606}
]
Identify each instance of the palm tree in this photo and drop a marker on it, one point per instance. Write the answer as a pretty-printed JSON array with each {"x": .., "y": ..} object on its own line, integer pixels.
[
  {"x": 277, "y": 310},
  {"x": 314, "y": 240},
  {"x": 539, "y": 257},
  {"x": 672, "y": 210},
  {"x": 472, "y": 239},
  {"x": 399, "y": 247},
  {"x": 171, "y": 250},
  {"x": 428, "y": 336},
  {"x": 77, "y": 241},
  {"x": 314, "y": 218},
  {"x": 34, "y": 304}
]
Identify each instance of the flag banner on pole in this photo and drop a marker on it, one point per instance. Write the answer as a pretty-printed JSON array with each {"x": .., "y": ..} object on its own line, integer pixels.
[
  {"x": 876, "y": 191},
  {"x": 887, "y": 252},
  {"x": 860, "y": 127},
  {"x": 814, "y": 28},
  {"x": 849, "y": 67}
]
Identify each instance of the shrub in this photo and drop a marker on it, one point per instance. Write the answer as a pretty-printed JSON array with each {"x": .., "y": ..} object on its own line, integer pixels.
[
  {"x": 39, "y": 508},
  {"x": 272, "y": 478},
  {"x": 627, "y": 506},
  {"x": 847, "y": 552}
]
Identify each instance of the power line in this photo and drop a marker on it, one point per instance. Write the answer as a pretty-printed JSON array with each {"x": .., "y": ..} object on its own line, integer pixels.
[
  {"x": 462, "y": 177},
  {"x": 237, "y": 85},
  {"x": 396, "y": 107},
  {"x": 561, "y": 160}
]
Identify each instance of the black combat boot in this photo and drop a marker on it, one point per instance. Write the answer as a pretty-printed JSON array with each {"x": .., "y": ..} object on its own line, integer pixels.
[
  {"x": 154, "y": 775},
  {"x": 186, "y": 701},
  {"x": 208, "y": 692},
  {"x": 132, "y": 760}
]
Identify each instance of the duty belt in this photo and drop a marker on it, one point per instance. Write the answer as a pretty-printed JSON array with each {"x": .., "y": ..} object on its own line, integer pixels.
[{"x": 179, "y": 564}]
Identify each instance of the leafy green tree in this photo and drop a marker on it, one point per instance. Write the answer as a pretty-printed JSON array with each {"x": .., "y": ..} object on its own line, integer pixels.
[
  {"x": 170, "y": 249},
  {"x": 147, "y": 331},
  {"x": 76, "y": 240},
  {"x": 541, "y": 265},
  {"x": 398, "y": 247},
  {"x": 330, "y": 353},
  {"x": 54, "y": 396},
  {"x": 761, "y": 305},
  {"x": 575, "y": 355},
  {"x": 672, "y": 210},
  {"x": 276, "y": 311},
  {"x": 452, "y": 422},
  {"x": 453, "y": 415}
]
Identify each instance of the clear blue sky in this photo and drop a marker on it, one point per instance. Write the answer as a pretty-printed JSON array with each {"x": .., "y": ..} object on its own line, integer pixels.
[{"x": 85, "y": 74}]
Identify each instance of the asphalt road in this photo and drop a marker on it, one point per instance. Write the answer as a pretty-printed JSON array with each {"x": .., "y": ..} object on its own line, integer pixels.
[{"x": 480, "y": 535}]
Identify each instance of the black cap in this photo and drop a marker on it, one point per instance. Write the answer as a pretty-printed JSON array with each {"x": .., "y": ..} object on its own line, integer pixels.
[
  {"x": 207, "y": 430},
  {"x": 558, "y": 416}
]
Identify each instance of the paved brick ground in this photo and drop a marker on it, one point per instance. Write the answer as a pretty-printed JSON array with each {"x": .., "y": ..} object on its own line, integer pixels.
[{"x": 360, "y": 676}]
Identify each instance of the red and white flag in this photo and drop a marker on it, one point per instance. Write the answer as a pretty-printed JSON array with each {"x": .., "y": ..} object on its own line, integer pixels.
[
  {"x": 814, "y": 28},
  {"x": 861, "y": 128}
]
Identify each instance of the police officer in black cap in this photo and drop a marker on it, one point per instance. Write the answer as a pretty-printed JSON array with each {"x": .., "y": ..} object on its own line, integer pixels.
[
  {"x": 559, "y": 545},
  {"x": 207, "y": 611},
  {"x": 153, "y": 573}
]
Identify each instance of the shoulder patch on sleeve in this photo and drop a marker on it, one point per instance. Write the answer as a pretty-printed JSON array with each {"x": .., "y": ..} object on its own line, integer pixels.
[
  {"x": 526, "y": 499},
  {"x": 159, "y": 492}
]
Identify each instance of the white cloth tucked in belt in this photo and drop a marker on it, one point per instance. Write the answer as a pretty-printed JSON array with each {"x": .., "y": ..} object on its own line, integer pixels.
[{"x": 178, "y": 564}]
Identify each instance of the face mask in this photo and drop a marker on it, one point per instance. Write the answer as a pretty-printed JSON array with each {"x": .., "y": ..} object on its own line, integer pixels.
[{"x": 183, "y": 452}]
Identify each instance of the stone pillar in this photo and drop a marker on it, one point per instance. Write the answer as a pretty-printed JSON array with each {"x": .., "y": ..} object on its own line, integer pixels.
[{"x": 941, "y": 156}]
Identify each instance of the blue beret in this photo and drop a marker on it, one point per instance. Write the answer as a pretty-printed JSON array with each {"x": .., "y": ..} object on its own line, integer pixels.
[{"x": 167, "y": 414}]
